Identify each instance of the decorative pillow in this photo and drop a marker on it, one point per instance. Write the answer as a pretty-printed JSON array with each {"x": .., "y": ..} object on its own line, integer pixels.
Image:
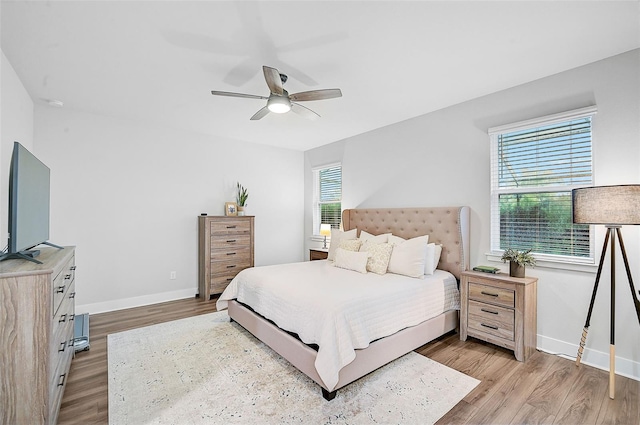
[
  {"x": 351, "y": 245},
  {"x": 350, "y": 260},
  {"x": 364, "y": 236},
  {"x": 433, "y": 258},
  {"x": 408, "y": 257},
  {"x": 379, "y": 255},
  {"x": 336, "y": 237}
]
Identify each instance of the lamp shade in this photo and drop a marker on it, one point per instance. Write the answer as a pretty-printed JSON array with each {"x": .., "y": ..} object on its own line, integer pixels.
[
  {"x": 614, "y": 205},
  {"x": 325, "y": 229}
]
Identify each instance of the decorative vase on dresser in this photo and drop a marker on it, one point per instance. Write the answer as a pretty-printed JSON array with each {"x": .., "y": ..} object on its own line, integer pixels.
[
  {"x": 37, "y": 307},
  {"x": 225, "y": 247},
  {"x": 501, "y": 310}
]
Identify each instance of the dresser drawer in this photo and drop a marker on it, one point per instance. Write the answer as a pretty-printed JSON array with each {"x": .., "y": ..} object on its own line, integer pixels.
[
  {"x": 61, "y": 284},
  {"x": 62, "y": 325},
  {"x": 492, "y": 295},
  {"x": 229, "y": 266},
  {"x": 232, "y": 254},
  {"x": 219, "y": 281},
  {"x": 230, "y": 242},
  {"x": 231, "y": 227},
  {"x": 491, "y": 319}
]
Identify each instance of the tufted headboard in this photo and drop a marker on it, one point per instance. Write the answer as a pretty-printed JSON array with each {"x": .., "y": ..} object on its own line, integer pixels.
[{"x": 448, "y": 226}]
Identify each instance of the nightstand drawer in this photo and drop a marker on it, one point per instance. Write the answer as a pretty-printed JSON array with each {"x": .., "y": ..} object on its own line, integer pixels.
[
  {"x": 491, "y": 319},
  {"x": 317, "y": 254},
  {"x": 492, "y": 295}
]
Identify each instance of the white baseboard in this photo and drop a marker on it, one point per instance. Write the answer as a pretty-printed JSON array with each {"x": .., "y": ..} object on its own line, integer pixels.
[
  {"x": 121, "y": 304},
  {"x": 598, "y": 359}
]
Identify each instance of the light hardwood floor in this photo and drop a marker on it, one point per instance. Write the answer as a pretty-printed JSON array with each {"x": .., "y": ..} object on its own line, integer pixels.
[{"x": 545, "y": 390}]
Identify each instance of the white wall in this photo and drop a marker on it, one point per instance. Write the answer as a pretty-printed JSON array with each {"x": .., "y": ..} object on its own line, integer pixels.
[
  {"x": 128, "y": 194},
  {"x": 16, "y": 124},
  {"x": 442, "y": 159}
]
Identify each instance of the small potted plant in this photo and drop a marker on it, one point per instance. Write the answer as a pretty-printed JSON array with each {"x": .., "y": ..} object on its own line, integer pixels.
[
  {"x": 241, "y": 198},
  {"x": 518, "y": 260}
]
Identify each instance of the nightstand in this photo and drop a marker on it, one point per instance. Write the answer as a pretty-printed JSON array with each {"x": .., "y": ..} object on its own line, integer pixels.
[
  {"x": 500, "y": 309},
  {"x": 318, "y": 254}
]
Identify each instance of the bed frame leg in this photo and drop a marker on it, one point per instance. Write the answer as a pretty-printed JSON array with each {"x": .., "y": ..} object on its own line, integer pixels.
[{"x": 329, "y": 395}]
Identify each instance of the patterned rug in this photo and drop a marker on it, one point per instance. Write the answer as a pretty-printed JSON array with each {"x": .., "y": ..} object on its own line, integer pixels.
[{"x": 206, "y": 370}]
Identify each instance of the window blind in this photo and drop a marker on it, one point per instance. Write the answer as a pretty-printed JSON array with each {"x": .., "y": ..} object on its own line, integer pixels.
[{"x": 535, "y": 165}]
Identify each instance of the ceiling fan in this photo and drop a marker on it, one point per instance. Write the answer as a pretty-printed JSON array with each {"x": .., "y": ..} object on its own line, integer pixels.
[{"x": 280, "y": 101}]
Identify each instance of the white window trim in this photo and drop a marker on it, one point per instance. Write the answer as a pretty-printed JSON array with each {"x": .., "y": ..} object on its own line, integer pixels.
[
  {"x": 542, "y": 260},
  {"x": 316, "y": 194}
]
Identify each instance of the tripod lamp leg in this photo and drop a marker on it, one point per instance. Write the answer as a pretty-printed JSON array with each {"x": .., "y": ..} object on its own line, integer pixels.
[
  {"x": 612, "y": 371},
  {"x": 583, "y": 340}
]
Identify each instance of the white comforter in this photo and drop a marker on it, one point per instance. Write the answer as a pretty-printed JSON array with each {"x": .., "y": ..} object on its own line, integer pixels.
[{"x": 337, "y": 309}]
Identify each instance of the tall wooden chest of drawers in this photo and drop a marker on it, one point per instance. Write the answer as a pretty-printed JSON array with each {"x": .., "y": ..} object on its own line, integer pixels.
[
  {"x": 501, "y": 310},
  {"x": 225, "y": 247},
  {"x": 37, "y": 307}
]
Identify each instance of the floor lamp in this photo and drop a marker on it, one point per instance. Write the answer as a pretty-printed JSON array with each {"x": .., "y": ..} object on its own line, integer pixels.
[{"x": 611, "y": 206}]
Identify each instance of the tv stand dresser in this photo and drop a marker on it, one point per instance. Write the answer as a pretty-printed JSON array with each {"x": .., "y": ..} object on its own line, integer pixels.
[{"x": 37, "y": 309}]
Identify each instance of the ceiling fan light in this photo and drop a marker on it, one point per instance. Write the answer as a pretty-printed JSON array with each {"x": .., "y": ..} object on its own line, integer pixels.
[{"x": 278, "y": 104}]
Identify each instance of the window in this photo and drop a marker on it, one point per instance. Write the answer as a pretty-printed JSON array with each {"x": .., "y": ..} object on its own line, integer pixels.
[
  {"x": 534, "y": 166},
  {"x": 327, "y": 196}
]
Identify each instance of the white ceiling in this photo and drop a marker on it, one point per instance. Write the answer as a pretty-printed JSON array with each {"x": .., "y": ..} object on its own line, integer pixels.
[{"x": 157, "y": 61}]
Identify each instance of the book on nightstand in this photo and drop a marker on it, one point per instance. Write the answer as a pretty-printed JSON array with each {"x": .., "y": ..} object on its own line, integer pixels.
[{"x": 486, "y": 269}]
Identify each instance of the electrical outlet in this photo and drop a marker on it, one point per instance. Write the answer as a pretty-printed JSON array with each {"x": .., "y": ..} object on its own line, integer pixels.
[{"x": 172, "y": 275}]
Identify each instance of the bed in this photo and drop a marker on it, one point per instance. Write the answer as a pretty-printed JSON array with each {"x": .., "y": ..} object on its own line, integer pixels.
[{"x": 336, "y": 364}]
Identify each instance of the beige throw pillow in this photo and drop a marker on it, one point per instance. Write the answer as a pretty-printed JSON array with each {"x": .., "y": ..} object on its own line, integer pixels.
[{"x": 379, "y": 255}]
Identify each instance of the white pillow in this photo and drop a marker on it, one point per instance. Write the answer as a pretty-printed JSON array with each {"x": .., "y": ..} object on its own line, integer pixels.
[
  {"x": 336, "y": 237},
  {"x": 408, "y": 257},
  {"x": 364, "y": 236},
  {"x": 433, "y": 258},
  {"x": 351, "y": 260},
  {"x": 395, "y": 240},
  {"x": 379, "y": 256}
]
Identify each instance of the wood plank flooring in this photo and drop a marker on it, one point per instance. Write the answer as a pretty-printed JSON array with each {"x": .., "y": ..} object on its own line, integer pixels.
[{"x": 544, "y": 390}]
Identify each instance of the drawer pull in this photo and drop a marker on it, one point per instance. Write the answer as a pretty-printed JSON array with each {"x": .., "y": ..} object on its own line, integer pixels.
[
  {"x": 231, "y": 253},
  {"x": 230, "y": 267},
  {"x": 489, "y": 311},
  {"x": 495, "y": 328},
  {"x": 72, "y": 295},
  {"x": 72, "y": 317},
  {"x": 61, "y": 379},
  {"x": 72, "y": 268},
  {"x": 67, "y": 276},
  {"x": 231, "y": 241},
  {"x": 60, "y": 289},
  {"x": 63, "y": 346},
  {"x": 488, "y": 293},
  {"x": 63, "y": 318},
  {"x": 231, "y": 227}
]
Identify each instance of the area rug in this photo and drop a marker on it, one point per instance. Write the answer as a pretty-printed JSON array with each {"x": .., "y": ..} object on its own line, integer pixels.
[{"x": 206, "y": 370}]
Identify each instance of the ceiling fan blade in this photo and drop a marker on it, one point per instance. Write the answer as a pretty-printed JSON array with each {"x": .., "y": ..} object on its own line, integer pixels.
[
  {"x": 230, "y": 94},
  {"x": 260, "y": 114},
  {"x": 272, "y": 76},
  {"x": 315, "y": 95},
  {"x": 304, "y": 111}
]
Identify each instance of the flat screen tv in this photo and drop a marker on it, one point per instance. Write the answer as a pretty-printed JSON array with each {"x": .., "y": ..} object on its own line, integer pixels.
[{"x": 29, "y": 184}]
